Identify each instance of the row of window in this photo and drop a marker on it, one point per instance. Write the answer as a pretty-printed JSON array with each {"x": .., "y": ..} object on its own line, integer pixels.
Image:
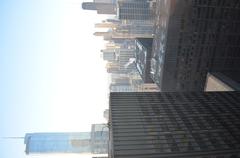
[{"x": 217, "y": 3}]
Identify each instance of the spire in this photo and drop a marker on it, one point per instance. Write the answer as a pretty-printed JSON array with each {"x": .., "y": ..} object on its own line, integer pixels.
[{"x": 12, "y": 137}]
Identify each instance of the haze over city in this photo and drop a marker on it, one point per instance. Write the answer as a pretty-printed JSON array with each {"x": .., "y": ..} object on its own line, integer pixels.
[
  {"x": 48, "y": 58},
  {"x": 120, "y": 78}
]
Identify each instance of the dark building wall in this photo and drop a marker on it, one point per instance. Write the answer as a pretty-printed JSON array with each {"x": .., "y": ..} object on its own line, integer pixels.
[
  {"x": 192, "y": 38},
  {"x": 193, "y": 124}
]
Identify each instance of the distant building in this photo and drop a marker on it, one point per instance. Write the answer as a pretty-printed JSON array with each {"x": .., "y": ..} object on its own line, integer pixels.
[
  {"x": 99, "y": 139},
  {"x": 147, "y": 87},
  {"x": 134, "y": 10},
  {"x": 95, "y": 142},
  {"x": 117, "y": 87},
  {"x": 171, "y": 124},
  {"x": 128, "y": 29},
  {"x": 101, "y": 8},
  {"x": 143, "y": 56},
  {"x": 104, "y": 1},
  {"x": 43, "y": 143},
  {"x": 120, "y": 78},
  {"x": 124, "y": 58},
  {"x": 109, "y": 55},
  {"x": 106, "y": 114}
]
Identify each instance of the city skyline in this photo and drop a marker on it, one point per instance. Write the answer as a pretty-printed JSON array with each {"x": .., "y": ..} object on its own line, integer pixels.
[
  {"x": 64, "y": 61},
  {"x": 42, "y": 56}
]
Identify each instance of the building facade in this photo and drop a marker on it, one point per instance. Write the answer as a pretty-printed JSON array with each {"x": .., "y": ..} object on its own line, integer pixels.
[
  {"x": 99, "y": 138},
  {"x": 175, "y": 124},
  {"x": 100, "y": 7},
  {"x": 45, "y": 143},
  {"x": 95, "y": 142},
  {"x": 192, "y": 38},
  {"x": 143, "y": 55},
  {"x": 134, "y": 10}
]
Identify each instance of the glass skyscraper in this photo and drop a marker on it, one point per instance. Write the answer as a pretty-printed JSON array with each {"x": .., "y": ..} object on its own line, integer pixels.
[{"x": 58, "y": 142}]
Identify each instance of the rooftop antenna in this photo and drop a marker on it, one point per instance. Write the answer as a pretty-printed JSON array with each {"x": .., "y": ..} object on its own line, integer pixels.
[{"x": 12, "y": 137}]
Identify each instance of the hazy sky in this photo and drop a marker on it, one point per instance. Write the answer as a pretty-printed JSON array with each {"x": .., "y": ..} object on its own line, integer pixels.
[{"x": 52, "y": 77}]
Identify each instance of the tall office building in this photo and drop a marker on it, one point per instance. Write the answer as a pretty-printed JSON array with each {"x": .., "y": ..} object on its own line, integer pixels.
[
  {"x": 124, "y": 58},
  {"x": 120, "y": 83},
  {"x": 99, "y": 138},
  {"x": 119, "y": 87},
  {"x": 192, "y": 38},
  {"x": 104, "y": 1},
  {"x": 101, "y": 8},
  {"x": 109, "y": 54},
  {"x": 94, "y": 142},
  {"x": 173, "y": 124},
  {"x": 129, "y": 28},
  {"x": 143, "y": 56},
  {"x": 120, "y": 78},
  {"x": 37, "y": 143},
  {"x": 134, "y": 10}
]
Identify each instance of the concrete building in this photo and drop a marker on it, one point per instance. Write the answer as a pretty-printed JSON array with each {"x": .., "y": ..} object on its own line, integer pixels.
[{"x": 175, "y": 124}]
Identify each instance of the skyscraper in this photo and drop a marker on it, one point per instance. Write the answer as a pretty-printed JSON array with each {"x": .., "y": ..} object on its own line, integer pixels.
[
  {"x": 134, "y": 10},
  {"x": 101, "y": 8},
  {"x": 94, "y": 142},
  {"x": 104, "y": 1},
  {"x": 193, "y": 38},
  {"x": 109, "y": 54},
  {"x": 129, "y": 28},
  {"x": 58, "y": 143},
  {"x": 175, "y": 125},
  {"x": 143, "y": 56},
  {"x": 99, "y": 138}
]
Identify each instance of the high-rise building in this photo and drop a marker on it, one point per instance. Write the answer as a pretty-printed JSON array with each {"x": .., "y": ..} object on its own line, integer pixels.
[
  {"x": 40, "y": 143},
  {"x": 117, "y": 87},
  {"x": 109, "y": 54},
  {"x": 99, "y": 138},
  {"x": 120, "y": 78},
  {"x": 126, "y": 59},
  {"x": 143, "y": 55},
  {"x": 134, "y": 10},
  {"x": 101, "y": 8},
  {"x": 95, "y": 142},
  {"x": 175, "y": 124},
  {"x": 106, "y": 114},
  {"x": 104, "y": 1},
  {"x": 128, "y": 29},
  {"x": 193, "y": 38},
  {"x": 147, "y": 87}
]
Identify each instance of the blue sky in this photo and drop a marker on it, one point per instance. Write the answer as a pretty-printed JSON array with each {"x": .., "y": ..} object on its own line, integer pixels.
[{"x": 52, "y": 77}]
